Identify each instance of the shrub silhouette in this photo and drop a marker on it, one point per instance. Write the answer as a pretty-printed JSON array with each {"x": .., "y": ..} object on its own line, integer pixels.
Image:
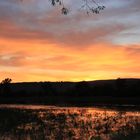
[{"x": 5, "y": 86}]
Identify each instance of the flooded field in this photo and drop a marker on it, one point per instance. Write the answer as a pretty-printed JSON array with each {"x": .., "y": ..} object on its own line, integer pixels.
[{"x": 68, "y": 123}]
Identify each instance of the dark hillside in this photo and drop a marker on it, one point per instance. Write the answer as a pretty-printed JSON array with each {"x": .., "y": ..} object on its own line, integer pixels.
[{"x": 124, "y": 91}]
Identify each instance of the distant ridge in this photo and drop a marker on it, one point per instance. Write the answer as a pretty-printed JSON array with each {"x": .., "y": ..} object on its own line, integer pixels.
[{"x": 112, "y": 91}]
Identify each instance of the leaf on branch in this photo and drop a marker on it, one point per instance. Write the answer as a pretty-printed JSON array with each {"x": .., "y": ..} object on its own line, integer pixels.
[
  {"x": 64, "y": 11},
  {"x": 90, "y": 6}
]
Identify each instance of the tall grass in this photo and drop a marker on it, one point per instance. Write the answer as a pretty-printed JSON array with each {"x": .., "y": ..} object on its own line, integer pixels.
[{"x": 65, "y": 124}]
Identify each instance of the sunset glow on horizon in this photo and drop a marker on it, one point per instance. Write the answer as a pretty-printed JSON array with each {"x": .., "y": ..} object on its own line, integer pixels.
[{"x": 38, "y": 43}]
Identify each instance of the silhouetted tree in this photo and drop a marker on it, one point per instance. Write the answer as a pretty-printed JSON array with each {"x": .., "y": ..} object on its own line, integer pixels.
[
  {"x": 5, "y": 86},
  {"x": 6, "y": 81}
]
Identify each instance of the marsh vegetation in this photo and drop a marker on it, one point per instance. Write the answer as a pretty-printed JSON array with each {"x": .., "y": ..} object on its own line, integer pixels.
[{"x": 57, "y": 123}]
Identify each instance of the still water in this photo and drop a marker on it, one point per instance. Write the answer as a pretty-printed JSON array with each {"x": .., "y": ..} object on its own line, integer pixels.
[{"x": 34, "y": 122}]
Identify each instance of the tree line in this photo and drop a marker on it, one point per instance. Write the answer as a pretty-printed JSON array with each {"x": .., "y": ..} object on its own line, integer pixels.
[{"x": 116, "y": 88}]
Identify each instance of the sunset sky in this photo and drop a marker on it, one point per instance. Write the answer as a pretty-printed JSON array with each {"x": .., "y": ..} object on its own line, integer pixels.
[{"x": 38, "y": 43}]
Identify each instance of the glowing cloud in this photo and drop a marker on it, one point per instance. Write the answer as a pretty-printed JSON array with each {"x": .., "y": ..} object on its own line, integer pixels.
[{"x": 38, "y": 44}]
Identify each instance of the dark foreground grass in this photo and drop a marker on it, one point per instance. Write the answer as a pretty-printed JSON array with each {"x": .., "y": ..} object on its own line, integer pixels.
[{"x": 68, "y": 124}]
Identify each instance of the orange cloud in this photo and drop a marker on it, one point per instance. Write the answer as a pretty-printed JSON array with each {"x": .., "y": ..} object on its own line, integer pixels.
[{"x": 40, "y": 62}]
